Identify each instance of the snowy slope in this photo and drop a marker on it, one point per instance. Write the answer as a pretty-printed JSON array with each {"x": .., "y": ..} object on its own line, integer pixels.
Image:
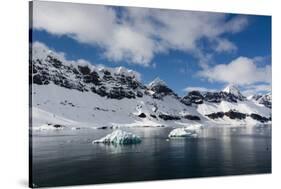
[{"x": 54, "y": 104}]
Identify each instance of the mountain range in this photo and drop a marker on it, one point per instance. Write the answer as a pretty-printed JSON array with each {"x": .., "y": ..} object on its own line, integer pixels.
[{"x": 79, "y": 94}]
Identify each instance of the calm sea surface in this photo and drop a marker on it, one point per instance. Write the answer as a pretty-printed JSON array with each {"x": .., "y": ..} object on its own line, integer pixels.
[{"x": 69, "y": 158}]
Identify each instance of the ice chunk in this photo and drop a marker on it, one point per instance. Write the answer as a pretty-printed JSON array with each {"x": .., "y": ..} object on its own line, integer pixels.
[
  {"x": 119, "y": 137},
  {"x": 183, "y": 132}
]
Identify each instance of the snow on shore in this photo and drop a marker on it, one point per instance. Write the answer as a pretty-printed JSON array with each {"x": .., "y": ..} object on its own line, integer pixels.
[{"x": 49, "y": 127}]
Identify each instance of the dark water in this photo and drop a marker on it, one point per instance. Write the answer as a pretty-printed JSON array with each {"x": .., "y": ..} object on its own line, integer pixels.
[{"x": 69, "y": 157}]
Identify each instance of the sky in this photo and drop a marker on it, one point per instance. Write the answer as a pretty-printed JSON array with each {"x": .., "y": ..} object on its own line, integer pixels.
[{"x": 188, "y": 50}]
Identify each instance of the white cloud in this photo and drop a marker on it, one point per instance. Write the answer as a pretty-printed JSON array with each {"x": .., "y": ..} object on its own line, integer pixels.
[
  {"x": 129, "y": 44},
  {"x": 188, "y": 89},
  {"x": 256, "y": 89},
  {"x": 76, "y": 20},
  {"x": 135, "y": 35},
  {"x": 224, "y": 45},
  {"x": 241, "y": 71},
  {"x": 237, "y": 24}
]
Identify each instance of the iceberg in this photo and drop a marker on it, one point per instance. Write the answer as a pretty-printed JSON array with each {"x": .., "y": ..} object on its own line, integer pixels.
[
  {"x": 119, "y": 137},
  {"x": 182, "y": 132}
]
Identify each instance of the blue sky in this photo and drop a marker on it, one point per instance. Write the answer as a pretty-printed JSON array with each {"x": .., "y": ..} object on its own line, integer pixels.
[{"x": 188, "y": 50}]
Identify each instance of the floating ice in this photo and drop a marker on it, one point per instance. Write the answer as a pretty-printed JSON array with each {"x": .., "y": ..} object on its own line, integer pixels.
[
  {"x": 119, "y": 137},
  {"x": 182, "y": 132}
]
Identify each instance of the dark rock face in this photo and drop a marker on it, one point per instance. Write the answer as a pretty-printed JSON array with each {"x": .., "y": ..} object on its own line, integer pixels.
[
  {"x": 230, "y": 97},
  {"x": 58, "y": 126},
  {"x": 214, "y": 97},
  {"x": 102, "y": 127},
  {"x": 264, "y": 100},
  {"x": 107, "y": 77},
  {"x": 43, "y": 74},
  {"x": 232, "y": 114},
  {"x": 142, "y": 115},
  {"x": 193, "y": 97},
  {"x": 85, "y": 70},
  {"x": 40, "y": 79},
  {"x": 56, "y": 63},
  {"x": 82, "y": 78},
  {"x": 192, "y": 117},
  {"x": 186, "y": 100},
  {"x": 37, "y": 79},
  {"x": 160, "y": 91},
  {"x": 196, "y": 97},
  {"x": 175, "y": 117},
  {"x": 119, "y": 93},
  {"x": 260, "y": 118},
  {"x": 235, "y": 115},
  {"x": 216, "y": 115},
  {"x": 92, "y": 77},
  {"x": 101, "y": 91},
  {"x": 266, "y": 104},
  {"x": 169, "y": 117},
  {"x": 139, "y": 94},
  {"x": 154, "y": 116}
]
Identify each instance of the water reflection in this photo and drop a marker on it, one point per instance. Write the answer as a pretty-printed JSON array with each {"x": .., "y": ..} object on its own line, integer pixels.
[
  {"x": 118, "y": 148},
  {"x": 70, "y": 158}
]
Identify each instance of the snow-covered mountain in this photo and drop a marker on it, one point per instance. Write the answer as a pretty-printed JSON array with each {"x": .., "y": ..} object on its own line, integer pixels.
[
  {"x": 234, "y": 90},
  {"x": 80, "y": 94},
  {"x": 262, "y": 99}
]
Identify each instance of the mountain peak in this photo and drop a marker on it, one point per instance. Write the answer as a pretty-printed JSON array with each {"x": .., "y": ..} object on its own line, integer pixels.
[
  {"x": 156, "y": 82},
  {"x": 232, "y": 89}
]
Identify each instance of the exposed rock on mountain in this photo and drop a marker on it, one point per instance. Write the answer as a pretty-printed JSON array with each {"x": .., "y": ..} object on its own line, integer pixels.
[
  {"x": 79, "y": 93},
  {"x": 229, "y": 94},
  {"x": 115, "y": 83},
  {"x": 160, "y": 89},
  {"x": 233, "y": 114},
  {"x": 262, "y": 99}
]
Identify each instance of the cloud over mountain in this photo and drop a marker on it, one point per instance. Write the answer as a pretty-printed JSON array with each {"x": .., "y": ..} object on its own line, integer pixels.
[{"x": 136, "y": 35}]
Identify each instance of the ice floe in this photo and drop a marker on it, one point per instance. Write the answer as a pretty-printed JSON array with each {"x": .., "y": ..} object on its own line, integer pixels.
[
  {"x": 183, "y": 132},
  {"x": 119, "y": 137}
]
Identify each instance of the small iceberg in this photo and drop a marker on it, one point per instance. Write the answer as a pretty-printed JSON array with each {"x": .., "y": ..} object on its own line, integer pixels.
[
  {"x": 119, "y": 137},
  {"x": 182, "y": 132}
]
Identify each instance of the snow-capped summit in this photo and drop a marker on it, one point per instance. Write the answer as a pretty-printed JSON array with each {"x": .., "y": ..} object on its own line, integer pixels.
[
  {"x": 157, "y": 81},
  {"x": 230, "y": 94},
  {"x": 158, "y": 88},
  {"x": 232, "y": 89}
]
